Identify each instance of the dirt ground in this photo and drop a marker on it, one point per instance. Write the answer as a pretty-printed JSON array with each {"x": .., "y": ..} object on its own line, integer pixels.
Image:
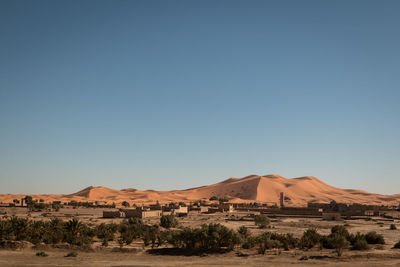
[
  {"x": 56, "y": 257},
  {"x": 136, "y": 255}
]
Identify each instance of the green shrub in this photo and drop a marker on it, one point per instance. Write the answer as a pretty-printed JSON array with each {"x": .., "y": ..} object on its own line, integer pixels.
[
  {"x": 125, "y": 204},
  {"x": 397, "y": 245},
  {"x": 106, "y": 232},
  {"x": 374, "y": 238},
  {"x": 249, "y": 242},
  {"x": 360, "y": 244},
  {"x": 261, "y": 221},
  {"x": 309, "y": 239},
  {"x": 287, "y": 241},
  {"x": 54, "y": 233},
  {"x": 168, "y": 221},
  {"x": 150, "y": 234},
  {"x": 340, "y": 230},
  {"x": 325, "y": 242},
  {"x": 208, "y": 237},
  {"x": 265, "y": 242},
  {"x": 393, "y": 227},
  {"x": 338, "y": 242},
  {"x": 243, "y": 231},
  {"x": 78, "y": 233}
]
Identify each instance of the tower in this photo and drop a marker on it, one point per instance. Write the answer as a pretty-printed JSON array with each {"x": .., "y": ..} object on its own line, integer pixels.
[{"x": 282, "y": 199}]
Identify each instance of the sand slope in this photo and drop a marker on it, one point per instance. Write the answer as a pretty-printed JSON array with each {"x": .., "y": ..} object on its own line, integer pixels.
[{"x": 253, "y": 188}]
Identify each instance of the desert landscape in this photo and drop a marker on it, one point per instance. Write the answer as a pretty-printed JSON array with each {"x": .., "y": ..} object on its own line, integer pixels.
[
  {"x": 252, "y": 188},
  {"x": 139, "y": 133},
  {"x": 260, "y": 220}
]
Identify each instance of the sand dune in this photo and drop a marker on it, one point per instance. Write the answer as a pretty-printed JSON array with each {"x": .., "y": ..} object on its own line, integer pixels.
[{"x": 252, "y": 188}]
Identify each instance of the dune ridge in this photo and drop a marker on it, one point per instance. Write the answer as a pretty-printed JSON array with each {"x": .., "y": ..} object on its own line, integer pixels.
[{"x": 253, "y": 188}]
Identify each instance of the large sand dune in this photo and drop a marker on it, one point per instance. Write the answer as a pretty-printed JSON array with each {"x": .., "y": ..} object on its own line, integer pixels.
[{"x": 253, "y": 188}]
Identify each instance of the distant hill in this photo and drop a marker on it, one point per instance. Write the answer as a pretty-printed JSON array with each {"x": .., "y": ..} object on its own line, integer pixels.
[{"x": 252, "y": 188}]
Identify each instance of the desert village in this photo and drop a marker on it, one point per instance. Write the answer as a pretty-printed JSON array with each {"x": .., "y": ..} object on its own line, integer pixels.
[
  {"x": 283, "y": 217},
  {"x": 272, "y": 195},
  {"x": 326, "y": 211}
]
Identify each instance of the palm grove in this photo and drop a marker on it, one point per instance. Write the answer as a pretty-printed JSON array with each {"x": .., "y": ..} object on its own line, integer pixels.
[{"x": 209, "y": 237}]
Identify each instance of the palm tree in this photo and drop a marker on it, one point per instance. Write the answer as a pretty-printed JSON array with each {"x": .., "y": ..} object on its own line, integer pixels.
[
  {"x": 73, "y": 228},
  {"x": 54, "y": 231},
  {"x": 20, "y": 228}
]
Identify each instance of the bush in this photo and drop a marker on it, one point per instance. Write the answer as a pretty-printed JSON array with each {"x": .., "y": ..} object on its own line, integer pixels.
[
  {"x": 71, "y": 254},
  {"x": 20, "y": 228},
  {"x": 168, "y": 221},
  {"x": 326, "y": 242},
  {"x": 106, "y": 232},
  {"x": 129, "y": 230},
  {"x": 125, "y": 204},
  {"x": 393, "y": 227},
  {"x": 41, "y": 254},
  {"x": 244, "y": 231},
  {"x": 78, "y": 233},
  {"x": 374, "y": 238},
  {"x": 338, "y": 242},
  {"x": 340, "y": 230},
  {"x": 360, "y": 244},
  {"x": 265, "y": 242},
  {"x": 287, "y": 241},
  {"x": 150, "y": 234},
  {"x": 261, "y": 221},
  {"x": 249, "y": 242},
  {"x": 208, "y": 237},
  {"x": 397, "y": 245},
  {"x": 309, "y": 239}
]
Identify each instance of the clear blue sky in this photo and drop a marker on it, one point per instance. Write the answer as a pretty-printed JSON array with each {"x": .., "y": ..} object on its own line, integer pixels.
[{"x": 176, "y": 94}]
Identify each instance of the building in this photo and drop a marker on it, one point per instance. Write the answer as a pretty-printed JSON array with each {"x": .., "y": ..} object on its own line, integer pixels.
[
  {"x": 226, "y": 207},
  {"x": 369, "y": 213},
  {"x": 141, "y": 213},
  {"x": 59, "y": 203},
  {"x": 199, "y": 209},
  {"x": 331, "y": 216},
  {"x": 113, "y": 214},
  {"x": 180, "y": 211},
  {"x": 203, "y": 209}
]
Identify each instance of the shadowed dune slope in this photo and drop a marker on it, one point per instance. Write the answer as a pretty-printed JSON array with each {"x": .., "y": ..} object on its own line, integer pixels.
[{"x": 252, "y": 188}]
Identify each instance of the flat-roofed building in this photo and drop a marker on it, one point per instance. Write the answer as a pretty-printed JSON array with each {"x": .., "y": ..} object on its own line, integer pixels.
[
  {"x": 113, "y": 214},
  {"x": 141, "y": 214},
  {"x": 180, "y": 211},
  {"x": 226, "y": 207}
]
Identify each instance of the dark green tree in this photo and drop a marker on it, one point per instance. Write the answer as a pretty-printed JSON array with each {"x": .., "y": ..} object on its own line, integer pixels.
[
  {"x": 168, "y": 221},
  {"x": 261, "y": 221}
]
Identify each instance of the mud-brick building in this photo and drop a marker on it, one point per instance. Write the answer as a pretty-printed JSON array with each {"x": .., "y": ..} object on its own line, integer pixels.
[
  {"x": 180, "y": 211},
  {"x": 113, "y": 214},
  {"x": 141, "y": 213}
]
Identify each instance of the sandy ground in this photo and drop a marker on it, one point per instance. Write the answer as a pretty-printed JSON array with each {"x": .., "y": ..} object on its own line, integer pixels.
[{"x": 56, "y": 258}]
